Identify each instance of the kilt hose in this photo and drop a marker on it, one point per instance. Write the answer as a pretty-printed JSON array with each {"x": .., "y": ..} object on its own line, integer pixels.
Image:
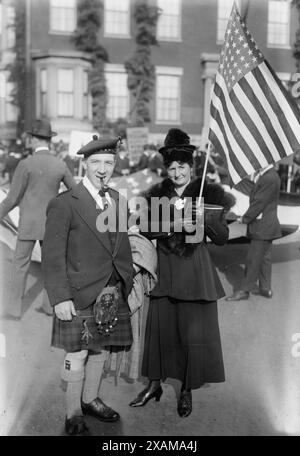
[{"x": 81, "y": 332}]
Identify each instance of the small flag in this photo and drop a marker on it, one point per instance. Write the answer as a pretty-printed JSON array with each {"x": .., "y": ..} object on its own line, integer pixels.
[{"x": 254, "y": 121}]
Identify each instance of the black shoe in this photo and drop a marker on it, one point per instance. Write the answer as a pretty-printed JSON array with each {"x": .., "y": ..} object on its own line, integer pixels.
[
  {"x": 76, "y": 426},
  {"x": 261, "y": 292},
  {"x": 238, "y": 296},
  {"x": 148, "y": 393},
  {"x": 43, "y": 311},
  {"x": 99, "y": 410},
  {"x": 184, "y": 407}
]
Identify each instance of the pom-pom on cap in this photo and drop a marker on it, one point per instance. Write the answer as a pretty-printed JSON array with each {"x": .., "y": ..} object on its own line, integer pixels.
[{"x": 100, "y": 146}]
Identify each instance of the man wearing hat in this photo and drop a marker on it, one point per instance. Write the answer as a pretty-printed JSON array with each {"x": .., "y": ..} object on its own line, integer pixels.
[
  {"x": 88, "y": 276},
  {"x": 36, "y": 181}
]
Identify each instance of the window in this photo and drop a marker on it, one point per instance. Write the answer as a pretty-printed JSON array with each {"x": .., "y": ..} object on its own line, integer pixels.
[
  {"x": 62, "y": 16},
  {"x": 8, "y": 112},
  {"x": 279, "y": 23},
  {"x": 116, "y": 18},
  {"x": 86, "y": 98},
  {"x": 65, "y": 92},
  {"x": 169, "y": 21},
  {"x": 43, "y": 92},
  {"x": 168, "y": 84},
  {"x": 10, "y": 27},
  {"x": 118, "y": 95},
  {"x": 224, "y": 10}
]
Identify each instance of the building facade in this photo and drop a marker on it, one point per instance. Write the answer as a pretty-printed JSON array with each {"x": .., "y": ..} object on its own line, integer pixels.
[{"x": 189, "y": 33}]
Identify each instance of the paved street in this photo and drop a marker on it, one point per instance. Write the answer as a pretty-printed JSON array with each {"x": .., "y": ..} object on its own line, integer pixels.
[{"x": 261, "y": 395}]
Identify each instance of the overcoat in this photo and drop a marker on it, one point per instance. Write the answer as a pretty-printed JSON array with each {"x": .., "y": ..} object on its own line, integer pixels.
[
  {"x": 77, "y": 258},
  {"x": 185, "y": 271},
  {"x": 36, "y": 181},
  {"x": 261, "y": 216}
]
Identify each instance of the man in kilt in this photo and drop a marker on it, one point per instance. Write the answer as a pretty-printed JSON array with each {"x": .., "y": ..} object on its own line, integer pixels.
[{"x": 88, "y": 276}]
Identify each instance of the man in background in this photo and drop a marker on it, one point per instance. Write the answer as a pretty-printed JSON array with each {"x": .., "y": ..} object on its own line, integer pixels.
[
  {"x": 35, "y": 182},
  {"x": 262, "y": 228}
]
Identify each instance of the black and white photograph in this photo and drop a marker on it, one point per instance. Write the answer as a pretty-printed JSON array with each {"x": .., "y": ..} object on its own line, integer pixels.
[{"x": 149, "y": 221}]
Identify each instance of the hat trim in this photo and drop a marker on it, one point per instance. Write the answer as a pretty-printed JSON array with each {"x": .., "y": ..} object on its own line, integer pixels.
[
  {"x": 190, "y": 147},
  {"x": 53, "y": 133},
  {"x": 98, "y": 151}
]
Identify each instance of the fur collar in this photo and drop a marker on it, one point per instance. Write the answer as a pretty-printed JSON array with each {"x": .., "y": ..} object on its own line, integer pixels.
[{"x": 212, "y": 193}]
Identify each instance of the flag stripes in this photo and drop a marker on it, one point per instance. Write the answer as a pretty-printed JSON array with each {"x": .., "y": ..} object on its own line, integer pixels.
[
  {"x": 247, "y": 112},
  {"x": 264, "y": 104},
  {"x": 245, "y": 92},
  {"x": 226, "y": 139},
  {"x": 245, "y": 139}
]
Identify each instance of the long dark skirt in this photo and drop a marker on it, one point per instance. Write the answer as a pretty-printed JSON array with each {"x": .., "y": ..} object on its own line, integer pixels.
[{"x": 182, "y": 341}]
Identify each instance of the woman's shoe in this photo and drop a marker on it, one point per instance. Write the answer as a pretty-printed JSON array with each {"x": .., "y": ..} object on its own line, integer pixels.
[
  {"x": 148, "y": 393},
  {"x": 184, "y": 407}
]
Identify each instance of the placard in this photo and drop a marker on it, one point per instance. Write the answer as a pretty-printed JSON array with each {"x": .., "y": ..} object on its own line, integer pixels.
[{"x": 137, "y": 137}]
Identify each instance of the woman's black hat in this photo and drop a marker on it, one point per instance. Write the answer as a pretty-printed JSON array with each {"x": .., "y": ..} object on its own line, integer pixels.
[{"x": 177, "y": 147}]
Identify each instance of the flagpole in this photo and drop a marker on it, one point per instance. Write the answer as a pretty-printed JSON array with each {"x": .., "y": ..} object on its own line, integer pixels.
[{"x": 204, "y": 173}]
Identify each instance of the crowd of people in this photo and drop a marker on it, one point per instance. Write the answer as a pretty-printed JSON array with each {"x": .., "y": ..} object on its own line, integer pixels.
[{"x": 95, "y": 279}]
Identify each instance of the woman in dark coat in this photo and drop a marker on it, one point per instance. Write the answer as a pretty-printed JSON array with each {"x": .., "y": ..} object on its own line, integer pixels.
[{"x": 182, "y": 339}]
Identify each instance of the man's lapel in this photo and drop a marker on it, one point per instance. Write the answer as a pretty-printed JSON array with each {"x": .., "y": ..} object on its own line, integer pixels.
[{"x": 85, "y": 206}]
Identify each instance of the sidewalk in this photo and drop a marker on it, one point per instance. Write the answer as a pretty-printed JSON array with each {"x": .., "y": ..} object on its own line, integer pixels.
[{"x": 261, "y": 395}]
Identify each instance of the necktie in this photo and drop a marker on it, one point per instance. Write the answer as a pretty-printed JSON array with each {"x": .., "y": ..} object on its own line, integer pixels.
[{"x": 104, "y": 200}]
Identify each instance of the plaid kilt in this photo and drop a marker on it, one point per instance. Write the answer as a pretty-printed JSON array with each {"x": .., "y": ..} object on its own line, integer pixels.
[{"x": 69, "y": 335}]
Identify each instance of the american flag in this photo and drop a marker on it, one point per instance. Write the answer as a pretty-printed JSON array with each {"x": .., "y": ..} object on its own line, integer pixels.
[{"x": 253, "y": 119}]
